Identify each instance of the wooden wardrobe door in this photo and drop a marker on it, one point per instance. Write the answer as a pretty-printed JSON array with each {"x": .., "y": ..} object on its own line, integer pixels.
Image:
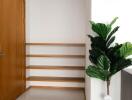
[{"x": 12, "y": 48}]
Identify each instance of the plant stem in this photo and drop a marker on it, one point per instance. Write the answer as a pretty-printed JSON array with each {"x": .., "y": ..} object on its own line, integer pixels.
[{"x": 108, "y": 87}]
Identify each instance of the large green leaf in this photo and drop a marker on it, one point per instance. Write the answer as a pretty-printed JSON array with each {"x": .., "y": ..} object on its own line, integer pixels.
[
  {"x": 95, "y": 72},
  {"x": 119, "y": 65},
  {"x": 113, "y": 21},
  {"x": 95, "y": 53},
  {"x": 111, "y": 53},
  {"x": 103, "y": 62},
  {"x": 125, "y": 50},
  {"x": 98, "y": 42},
  {"x": 112, "y": 50},
  {"x": 123, "y": 63},
  {"x": 101, "y": 29},
  {"x": 110, "y": 41},
  {"x": 112, "y": 32}
]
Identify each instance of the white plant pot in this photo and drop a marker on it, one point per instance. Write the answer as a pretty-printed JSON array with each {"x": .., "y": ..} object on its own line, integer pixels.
[{"x": 107, "y": 97}]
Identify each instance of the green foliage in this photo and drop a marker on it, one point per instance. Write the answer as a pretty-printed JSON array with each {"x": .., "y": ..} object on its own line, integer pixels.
[
  {"x": 112, "y": 32},
  {"x": 125, "y": 50},
  {"x": 107, "y": 59},
  {"x": 103, "y": 62},
  {"x": 101, "y": 29},
  {"x": 113, "y": 21}
]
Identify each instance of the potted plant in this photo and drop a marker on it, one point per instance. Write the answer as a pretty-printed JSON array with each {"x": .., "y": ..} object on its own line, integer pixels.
[{"x": 107, "y": 57}]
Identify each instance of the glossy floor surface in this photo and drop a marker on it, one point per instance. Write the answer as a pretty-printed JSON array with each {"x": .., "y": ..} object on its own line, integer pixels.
[{"x": 52, "y": 94}]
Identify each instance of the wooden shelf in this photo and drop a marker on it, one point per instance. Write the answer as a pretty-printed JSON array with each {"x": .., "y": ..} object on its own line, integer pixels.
[
  {"x": 55, "y": 79},
  {"x": 57, "y": 67},
  {"x": 56, "y": 55},
  {"x": 58, "y": 44},
  {"x": 57, "y": 87}
]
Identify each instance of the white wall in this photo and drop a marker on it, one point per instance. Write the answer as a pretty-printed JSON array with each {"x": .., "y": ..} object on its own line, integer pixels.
[
  {"x": 87, "y": 79},
  {"x": 56, "y": 20},
  {"x": 104, "y": 11}
]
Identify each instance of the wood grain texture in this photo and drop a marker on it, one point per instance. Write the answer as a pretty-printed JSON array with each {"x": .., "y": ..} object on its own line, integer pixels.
[
  {"x": 56, "y": 55},
  {"x": 58, "y": 44},
  {"x": 12, "y": 75},
  {"x": 57, "y": 67},
  {"x": 21, "y": 48},
  {"x": 55, "y": 79},
  {"x": 55, "y": 87}
]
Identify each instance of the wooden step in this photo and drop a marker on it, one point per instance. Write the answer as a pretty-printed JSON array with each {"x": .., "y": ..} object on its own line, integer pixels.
[
  {"x": 55, "y": 79},
  {"x": 57, "y": 73},
  {"x": 58, "y": 44},
  {"x": 55, "y": 55},
  {"x": 56, "y": 67},
  {"x": 56, "y": 87}
]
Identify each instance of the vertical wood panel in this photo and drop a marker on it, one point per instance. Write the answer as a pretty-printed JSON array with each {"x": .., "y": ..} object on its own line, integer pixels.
[
  {"x": 0, "y": 50},
  {"x": 12, "y": 81},
  {"x": 21, "y": 86}
]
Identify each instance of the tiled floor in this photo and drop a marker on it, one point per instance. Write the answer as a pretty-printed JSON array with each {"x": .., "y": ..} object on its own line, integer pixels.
[{"x": 52, "y": 94}]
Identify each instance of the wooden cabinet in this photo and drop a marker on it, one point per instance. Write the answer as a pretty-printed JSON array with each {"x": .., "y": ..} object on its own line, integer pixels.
[{"x": 12, "y": 49}]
